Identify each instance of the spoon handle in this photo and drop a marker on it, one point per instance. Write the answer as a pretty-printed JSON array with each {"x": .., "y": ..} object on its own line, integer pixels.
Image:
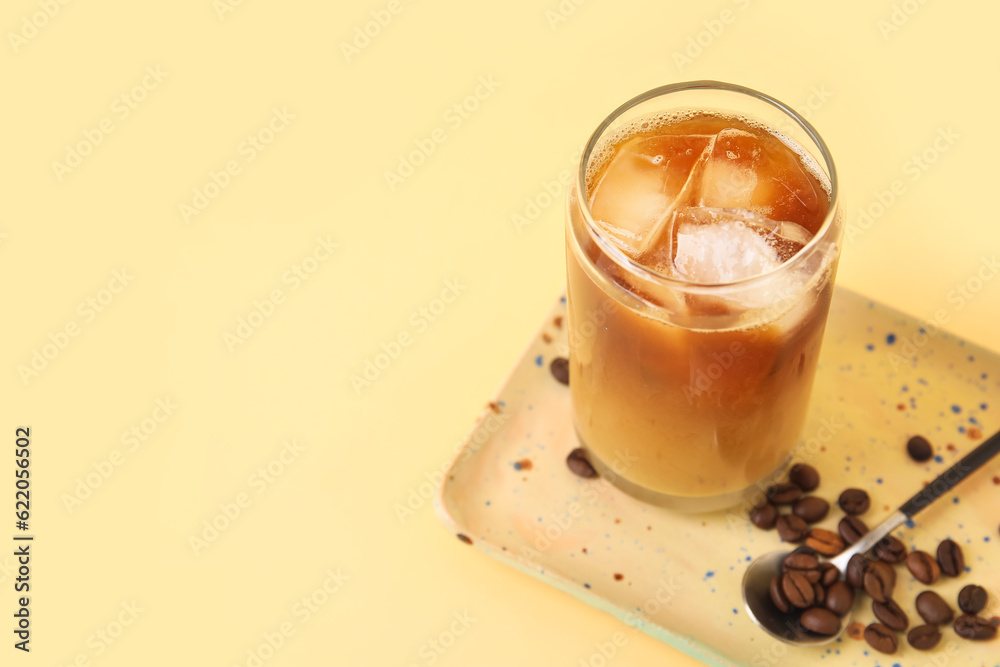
[
  {"x": 952, "y": 476},
  {"x": 944, "y": 482}
]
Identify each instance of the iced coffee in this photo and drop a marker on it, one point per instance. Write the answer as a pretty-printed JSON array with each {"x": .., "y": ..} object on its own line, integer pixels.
[{"x": 703, "y": 238}]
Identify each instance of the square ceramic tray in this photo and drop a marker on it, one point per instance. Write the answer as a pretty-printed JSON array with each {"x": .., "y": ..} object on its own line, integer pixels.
[{"x": 882, "y": 377}]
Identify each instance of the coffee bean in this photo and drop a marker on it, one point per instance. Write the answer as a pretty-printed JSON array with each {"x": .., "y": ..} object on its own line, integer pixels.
[
  {"x": 933, "y": 609},
  {"x": 922, "y": 566},
  {"x": 811, "y": 508},
  {"x": 924, "y": 637},
  {"x": 879, "y": 581},
  {"x": 805, "y": 563},
  {"x": 854, "y": 501},
  {"x": 783, "y": 494},
  {"x": 972, "y": 599},
  {"x": 803, "y": 549},
  {"x": 778, "y": 595},
  {"x": 819, "y": 594},
  {"x": 829, "y": 574},
  {"x": 891, "y": 615},
  {"x": 974, "y": 627},
  {"x": 950, "y": 558},
  {"x": 881, "y": 638},
  {"x": 797, "y": 589},
  {"x": 919, "y": 449},
  {"x": 764, "y": 516},
  {"x": 825, "y": 541},
  {"x": 840, "y": 598},
  {"x": 791, "y": 528},
  {"x": 851, "y": 529},
  {"x": 804, "y": 476},
  {"x": 560, "y": 369},
  {"x": 891, "y": 550},
  {"x": 855, "y": 573},
  {"x": 579, "y": 464},
  {"x": 820, "y": 621}
]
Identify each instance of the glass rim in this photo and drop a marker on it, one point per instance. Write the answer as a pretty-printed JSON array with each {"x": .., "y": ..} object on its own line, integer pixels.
[{"x": 625, "y": 262}]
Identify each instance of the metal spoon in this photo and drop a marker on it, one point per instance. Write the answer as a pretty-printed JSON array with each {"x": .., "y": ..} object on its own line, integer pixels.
[{"x": 757, "y": 580}]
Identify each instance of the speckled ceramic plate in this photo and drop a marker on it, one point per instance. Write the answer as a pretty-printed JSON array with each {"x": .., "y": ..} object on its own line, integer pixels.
[{"x": 882, "y": 377}]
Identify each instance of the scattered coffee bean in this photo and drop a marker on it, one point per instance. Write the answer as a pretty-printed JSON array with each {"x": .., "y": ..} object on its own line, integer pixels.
[
  {"x": 891, "y": 550},
  {"x": 811, "y": 508},
  {"x": 802, "y": 562},
  {"x": 560, "y": 369},
  {"x": 851, "y": 529},
  {"x": 933, "y": 609},
  {"x": 881, "y": 638},
  {"x": 764, "y": 516},
  {"x": 820, "y": 621},
  {"x": 891, "y": 615},
  {"x": 950, "y": 558},
  {"x": 803, "y": 549},
  {"x": 579, "y": 464},
  {"x": 797, "y": 589},
  {"x": 783, "y": 494},
  {"x": 855, "y": 574},
  {"x": 974, "y": 627},
  {"x": 825, "y": 541},
  {"x": 804, "y": 476},
  {"x": 972, "y": 599},
  {"x": 919, "y": 449},
  {"x": 922, "y": 566},
  {"x": 879, "y": 581},
  {"x": 791, "y": 528},
  {"x": 854, "y": 501},
  {"x": 778, "y": 595},
  {"x": 840, "y": 598},
  {"x": 829, "y": 574},
  {"x": 819, "y": 597},
  {"x": 924, "y": 637}
]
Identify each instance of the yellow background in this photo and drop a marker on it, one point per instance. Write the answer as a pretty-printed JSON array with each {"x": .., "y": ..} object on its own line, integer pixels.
[{"x": 883, "y": 80}]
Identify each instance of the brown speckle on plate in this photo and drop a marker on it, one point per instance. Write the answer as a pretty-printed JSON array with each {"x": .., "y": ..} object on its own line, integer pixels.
[
  {"x": 974, "y": 433},
  {"x": 856, "y": 630},
  {"x": 464, "y": 538},
  {"x": 619, "y": 576},
  {"x": 494, "y": 406},
  {"x": 557, "y": 322},
  {"x": 901, "y": 406},
  {"x": 547, "y": 338}
]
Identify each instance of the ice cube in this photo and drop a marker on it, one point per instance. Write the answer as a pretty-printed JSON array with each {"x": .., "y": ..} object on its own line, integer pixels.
[
  {"x": 730, "y": 177},
  {"x": 647, "y": 179},
  {"x": 722, "y": 245}
]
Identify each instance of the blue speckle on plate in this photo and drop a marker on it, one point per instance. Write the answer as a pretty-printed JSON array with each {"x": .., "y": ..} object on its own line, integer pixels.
[
  {"x": 869, "y": 347},
  {"x": 878, "y": 481},
  {"x": 910, "y": 523},
  {"x": 709, "y": 575},
  {"x": 982, "y": 406},
  {"x": 735, "y": 610},
  {"x": 956, "y": 409},
  {"x": 955, "y": 500},
  {"x": 586, "y": 585},
  {"x": 539, "y": 360},
  {"x": 562, "y": 300},
  {"x": 938, "y": 459},
  {"x": 890, "y": 339}
]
